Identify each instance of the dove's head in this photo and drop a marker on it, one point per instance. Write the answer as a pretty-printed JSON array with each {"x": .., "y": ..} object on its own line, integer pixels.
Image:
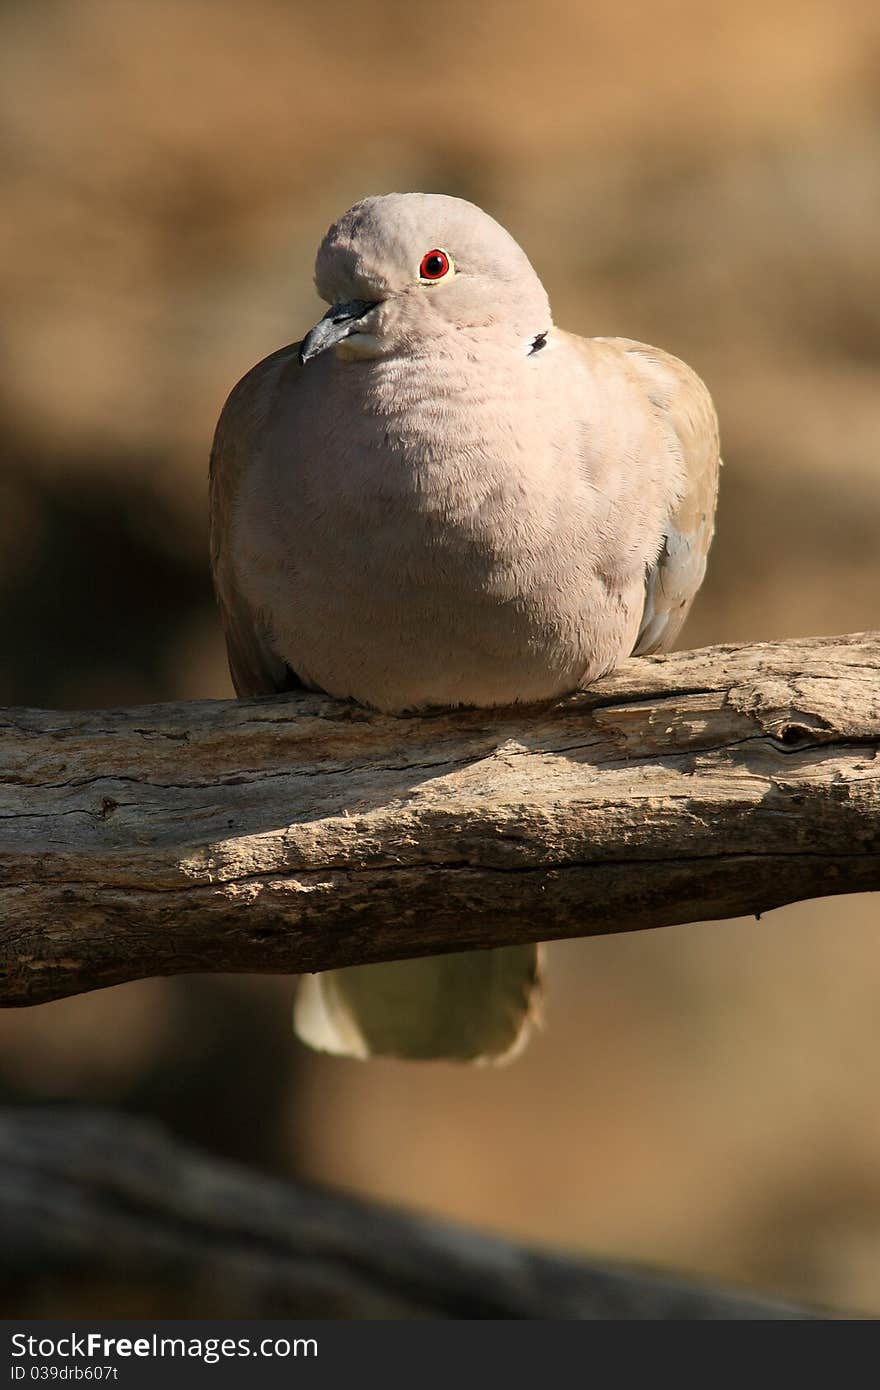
[{"x": 409, "y": 268}]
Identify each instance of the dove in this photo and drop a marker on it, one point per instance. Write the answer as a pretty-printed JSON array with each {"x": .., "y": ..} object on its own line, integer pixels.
[{"x": 438, "y": 498}]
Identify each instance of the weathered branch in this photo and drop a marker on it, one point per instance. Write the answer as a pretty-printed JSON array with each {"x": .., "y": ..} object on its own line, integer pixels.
[
  {"x": 101, "y": 1208},
  {"x": 297, "y": 833}
]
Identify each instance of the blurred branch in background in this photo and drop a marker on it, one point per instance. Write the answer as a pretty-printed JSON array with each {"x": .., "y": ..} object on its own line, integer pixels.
[
  {"x": 92, "y": 1205},
  {"x": 300, "y": 834}
]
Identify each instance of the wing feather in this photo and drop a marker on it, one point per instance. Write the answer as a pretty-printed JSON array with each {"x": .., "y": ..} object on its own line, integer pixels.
[
  {"x": 255, "y": 668},
  {"x": 671, "y": 584}
]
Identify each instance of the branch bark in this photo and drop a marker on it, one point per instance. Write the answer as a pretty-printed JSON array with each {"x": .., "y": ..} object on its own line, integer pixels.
[
  {"x": 102, "y": 1210},
  {"x": 299, "y": 834}
]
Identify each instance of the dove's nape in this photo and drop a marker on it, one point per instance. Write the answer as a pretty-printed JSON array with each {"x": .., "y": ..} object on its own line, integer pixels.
[{"x": 438, "y": 498}]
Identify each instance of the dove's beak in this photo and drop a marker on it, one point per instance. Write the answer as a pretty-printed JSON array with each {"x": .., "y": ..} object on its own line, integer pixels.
[{"x": 338, "y": 323}]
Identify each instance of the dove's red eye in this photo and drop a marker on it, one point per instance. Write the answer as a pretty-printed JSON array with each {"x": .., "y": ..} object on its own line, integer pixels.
[{"x": 435, "y": 264}]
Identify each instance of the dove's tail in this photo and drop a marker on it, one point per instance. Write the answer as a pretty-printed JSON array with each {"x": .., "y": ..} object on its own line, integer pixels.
[{"x": 473, "y": 1007}]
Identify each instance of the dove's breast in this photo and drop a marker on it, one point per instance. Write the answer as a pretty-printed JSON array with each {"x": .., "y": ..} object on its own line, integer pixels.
[{"x": 432, "y": 542}]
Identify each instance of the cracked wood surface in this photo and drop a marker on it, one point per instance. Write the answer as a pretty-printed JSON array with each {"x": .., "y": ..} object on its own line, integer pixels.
[{"x": 298, "y": 833}]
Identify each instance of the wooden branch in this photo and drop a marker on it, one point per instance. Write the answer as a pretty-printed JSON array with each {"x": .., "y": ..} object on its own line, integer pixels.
[
  {"x": 298, "y": 833},
  {"x": 101, "y": 1209}
]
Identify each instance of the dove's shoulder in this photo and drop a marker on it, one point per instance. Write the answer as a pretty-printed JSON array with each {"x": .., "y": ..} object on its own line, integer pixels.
[
  {"x": 672, "y": 387},
  {"x": 238, "y": 439},
  {"x": 244, "y": 416}
]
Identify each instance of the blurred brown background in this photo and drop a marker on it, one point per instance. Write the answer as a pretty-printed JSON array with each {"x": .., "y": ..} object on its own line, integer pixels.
[{"x": 702, "y": 176}]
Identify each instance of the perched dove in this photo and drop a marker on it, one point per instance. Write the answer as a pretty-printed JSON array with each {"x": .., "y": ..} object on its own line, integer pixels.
[{"x": 438, "y": 498}]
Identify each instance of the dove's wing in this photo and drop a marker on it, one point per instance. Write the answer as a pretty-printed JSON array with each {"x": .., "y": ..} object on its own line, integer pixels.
[
  {"x": 672, "y": 582},
  {"x": 254, "y": 666}
]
